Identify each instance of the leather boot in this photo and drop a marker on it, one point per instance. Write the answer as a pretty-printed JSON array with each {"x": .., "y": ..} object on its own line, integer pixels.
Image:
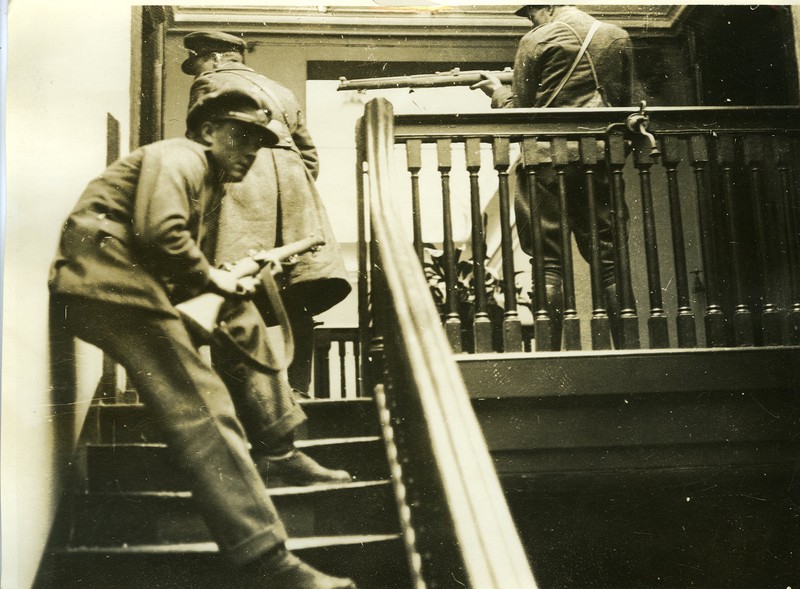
[
  {"x": 280, "y": 569},
  {"x": 555, "y": 306},
  {"x": 297, "y": 469}
]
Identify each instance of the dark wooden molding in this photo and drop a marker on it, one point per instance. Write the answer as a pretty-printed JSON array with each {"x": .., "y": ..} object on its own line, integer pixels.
[
  {"x": 621, "y": 373},
  {"x": 403, "y": 21}
]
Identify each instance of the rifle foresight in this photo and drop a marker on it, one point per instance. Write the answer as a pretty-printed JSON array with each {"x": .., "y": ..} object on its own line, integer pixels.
[{"x": 454, "y": 77}]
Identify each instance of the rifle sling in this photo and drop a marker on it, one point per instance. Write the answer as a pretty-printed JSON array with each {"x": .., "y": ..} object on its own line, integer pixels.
[{"x": 223, "y": 337}]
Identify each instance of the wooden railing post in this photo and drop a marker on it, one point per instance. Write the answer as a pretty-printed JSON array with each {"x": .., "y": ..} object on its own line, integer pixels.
[
  {"x": 452, "y": 321},
  {"x": 599, "y": 325},
  {"x": 658, "y": 328},
  {"x": 684, "y": 320},
  {"x": 481, "y": 324},
  {"x": 628, "y": 320},
  {"x": 414, "y": 165},
  {"x": 542, "y": 321},
  {"x": 742, "y": 315},
  {"x": 714, "y": 318},
  {"x": 771, "y": 316},
  {"x": 571, "y": 322},
  {"x": 512, "y": 328},
  {"x": 783, "y": 158}
]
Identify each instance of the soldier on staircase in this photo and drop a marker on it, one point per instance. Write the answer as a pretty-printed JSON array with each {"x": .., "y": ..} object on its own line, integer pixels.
[{"x": 134, "y": 246}]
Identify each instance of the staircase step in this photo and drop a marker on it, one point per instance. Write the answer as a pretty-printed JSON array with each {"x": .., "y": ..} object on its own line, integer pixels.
[
  {"x": 132, "y": 423},
  {"x": 162, "y": 518},
  {"x": 147, "y": 467},
  {"x": 373, "y": 561}
]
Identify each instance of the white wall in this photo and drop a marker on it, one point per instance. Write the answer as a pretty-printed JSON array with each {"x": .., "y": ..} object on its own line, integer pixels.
[{"x": 68, "y": 65}]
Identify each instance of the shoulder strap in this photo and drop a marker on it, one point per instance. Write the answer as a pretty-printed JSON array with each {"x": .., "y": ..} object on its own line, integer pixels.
[{"x": 581, "y": 51}]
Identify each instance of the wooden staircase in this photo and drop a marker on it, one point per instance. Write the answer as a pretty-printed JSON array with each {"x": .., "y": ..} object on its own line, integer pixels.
[
  {"x": 131, "y": 522},
  {"x": 670, "y": 468}
]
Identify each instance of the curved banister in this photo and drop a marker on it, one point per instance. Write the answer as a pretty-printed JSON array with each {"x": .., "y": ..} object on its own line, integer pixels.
[{"x": 492, "y": 554}]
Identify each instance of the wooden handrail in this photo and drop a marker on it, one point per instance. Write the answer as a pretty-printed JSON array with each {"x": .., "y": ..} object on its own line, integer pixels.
[
  {"x": 580, "y": 122},
  {"x": 419, "y": 356}
]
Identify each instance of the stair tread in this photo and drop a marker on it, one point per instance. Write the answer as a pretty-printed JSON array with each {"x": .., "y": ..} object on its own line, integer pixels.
[
  {"x": 212, "y": 548},
  {"x": 301, "y": 402},
  {"x": 298, "y": 443},
  {"x": 307, "y": 489}
]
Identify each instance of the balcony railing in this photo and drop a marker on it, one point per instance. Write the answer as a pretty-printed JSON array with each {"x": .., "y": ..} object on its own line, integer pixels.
[{"x": 709, "y": 257}]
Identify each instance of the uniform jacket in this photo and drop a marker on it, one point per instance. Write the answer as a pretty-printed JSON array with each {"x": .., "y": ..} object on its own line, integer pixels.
[
  {"x": 277, "y": 202},
  {"x": 137, "y": 234},
  {"x": 547, "y": 52}
]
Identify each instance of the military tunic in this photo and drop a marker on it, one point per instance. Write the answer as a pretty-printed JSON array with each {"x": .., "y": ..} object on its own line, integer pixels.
[
  {"x": 132, "y": 246},
  {"x": 278, "y": 202}
]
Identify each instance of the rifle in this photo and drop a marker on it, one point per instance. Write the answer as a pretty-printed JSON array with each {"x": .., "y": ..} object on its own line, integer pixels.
[
  {"x": 454, "y": 77},
  {"x": 201, "y": 312}
]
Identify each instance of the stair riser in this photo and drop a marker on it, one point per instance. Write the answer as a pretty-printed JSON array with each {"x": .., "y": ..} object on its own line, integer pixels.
[
  {"x": 115, "y": 520},
  {"x": 378, "y": 565},
  {"x": 127, "y": 424},
  {"x": 148, "y": 468}
]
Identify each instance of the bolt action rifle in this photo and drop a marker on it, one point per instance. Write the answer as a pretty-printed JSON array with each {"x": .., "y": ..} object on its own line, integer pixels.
[
  {"x": 454, "y": 77},
  {"x": 201, "y": 312}
]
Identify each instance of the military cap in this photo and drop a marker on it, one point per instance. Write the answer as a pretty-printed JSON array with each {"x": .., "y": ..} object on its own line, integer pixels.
[
  {"x": 523, "y": 10},
  {"x": 231, "y": 104},
  {"x": 205, "y": 42}
]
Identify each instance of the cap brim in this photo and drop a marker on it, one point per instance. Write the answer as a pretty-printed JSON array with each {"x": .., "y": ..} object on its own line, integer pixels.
[
  {"x": 523, "y": 12},
  {"x": 186, "y": 66},
  {"x": 268, "y": 136}
]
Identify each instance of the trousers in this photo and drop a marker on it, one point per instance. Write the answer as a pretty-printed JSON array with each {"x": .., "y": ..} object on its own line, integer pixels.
[
  {"x": 198, "y": 409},
  {"x": 547, "y": 186}
]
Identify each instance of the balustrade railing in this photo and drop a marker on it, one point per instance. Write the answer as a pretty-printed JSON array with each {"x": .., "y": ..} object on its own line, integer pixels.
[
  {"x": 456, "y": 525},
  {"x": 707, "y": 191}
]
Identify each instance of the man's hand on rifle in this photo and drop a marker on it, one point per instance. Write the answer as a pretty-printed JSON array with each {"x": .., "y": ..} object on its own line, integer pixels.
[
  {"x": 267, "y": 258},
  {"x": 228, "y": 285},
  {"x": 489, "y": 84}
]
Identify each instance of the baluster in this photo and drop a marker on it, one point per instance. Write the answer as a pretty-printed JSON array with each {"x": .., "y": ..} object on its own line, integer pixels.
[
  {"x": 684, "y": 321},
  {"x": 342, "y": 347},
  {"x": 599, "y": 325},
  {"x": 658, "y": 328},
  {"x": 628, "y": 319},
  {"x": 714, "y": 318},
  {"x": 543, "y": 323},
  {"x": 559, "y": 152},
  {"x": 322, "y": 348},
  {"x": 414, "y": 164},
  {"x": 742, "y": 315},
  {"x": 452, "y": 322},
  {"x": 481, "y": 325},
  {"x": 771, "y": 316},
  {"x": 792, "y": 237},
  {"x": 512, "y": 328}
]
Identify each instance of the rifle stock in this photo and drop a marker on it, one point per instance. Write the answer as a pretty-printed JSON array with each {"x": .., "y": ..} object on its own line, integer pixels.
[
  {"x": 201, "y": 312},
  {"x": 454, "y": 77}
]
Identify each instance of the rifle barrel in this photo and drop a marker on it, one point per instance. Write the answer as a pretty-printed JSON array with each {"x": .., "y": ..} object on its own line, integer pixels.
[{"x": 454, "y": 77}]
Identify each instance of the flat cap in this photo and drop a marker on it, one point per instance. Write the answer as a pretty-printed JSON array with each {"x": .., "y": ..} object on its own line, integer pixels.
[
  {"x": 205, "y": 42},
  {"x": 232, "y": 104}
]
